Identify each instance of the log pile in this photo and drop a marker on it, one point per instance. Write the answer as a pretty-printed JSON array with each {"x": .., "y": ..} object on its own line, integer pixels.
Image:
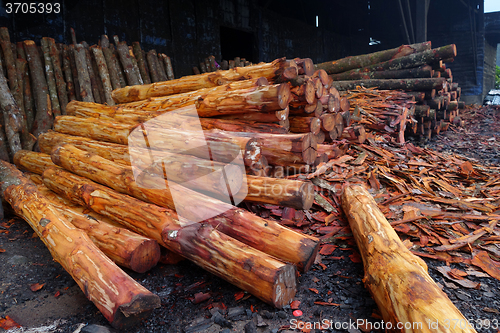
[
  {"x": 37, "y": 82},
  {"x": 280, "y": 137},
  {"x": 416, "y": 69},
  {"x": 209, "y": 64}
]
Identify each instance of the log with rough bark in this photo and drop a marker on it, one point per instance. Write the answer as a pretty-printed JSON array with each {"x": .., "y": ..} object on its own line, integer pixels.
[
  {"x": 4, "y": 151},
  {"x": 273, "y": 71},
  {"x": 113, "y": 68},
  {"x": 424, "y": 71},
  {"x": 222, "y": 255},
  {"x": 126, "y": 248},
  {"x": 68, "y": 75},
  {"x": 154, "y": 66},
  {"x": 10, "y": 63},
  {"x": 305, "y": 125},
  {"x": 136, "y": 46},
  {"x": 412, "y": 60},
  {"x": 103, "y": 74},
  {"x": 27, "y": 139},
  {"x": 23, "y": 72},
  {"x": 121, "y": 300},
  {"x": 83, "y": 75},
  {"x": 62, "y": 91},
  {"x": 364, "y": 60},
  {"x": 12, "y": 117},
  {"x": 235, "y": 222},
  {"x": 74, "y": 71},
  {"x": 388, "y": 84},
  {"x": 393, "y": 274},
  {"x": 49, "y": 74},
  {"x": 43, "y": 118},
  {"x": 169, "y": 68},
  {"x": 134, "y": 64},
  {"x": 95, "y": 83},
  {"x": 124, "y": 54},
  {"x": 255, "y": 99},
  {"x": 282, "y": 192}
]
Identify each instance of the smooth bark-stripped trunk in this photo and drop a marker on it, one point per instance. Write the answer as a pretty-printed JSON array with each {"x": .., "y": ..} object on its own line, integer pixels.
[
  {"x": 272, "y": 71},
  {"x": 215, "y": 145},
  {"x": 282, "y": 192},
  {"x": 403, "y": 84},
  {"x": 285, "y": 244},
  {"x": 43, "y": 118},
  {"x": 219, "y": 254},
  {"x": 345, "y": 64},
  {"x": 396, "y": 278},
  {"x": 126, "y": 248},
  {"x": 51, "y": 81},
  {"x": 255, "y": 99},
  {"x": 305, "y": 125},
  {"x": 280, "y": 149},
  {"x": 103, "y": 74},
  {"x": 121, "y": 300}
]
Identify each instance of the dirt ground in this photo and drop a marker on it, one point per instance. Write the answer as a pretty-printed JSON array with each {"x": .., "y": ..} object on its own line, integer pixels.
[{"x": 60, "y": 306}]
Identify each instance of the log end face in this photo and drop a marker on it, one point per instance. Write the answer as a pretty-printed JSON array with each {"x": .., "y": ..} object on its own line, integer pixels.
[
  {"x": 138, "y": 309},
  {"x": 285, "y": 286},
  {"x": 145, "y": 256},
  {"x": 307, "y": 191},
  {"x": 284, "y": 95}
]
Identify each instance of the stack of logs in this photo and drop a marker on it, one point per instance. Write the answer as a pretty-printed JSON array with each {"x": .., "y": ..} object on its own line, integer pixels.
[
  {"x": 417, "y": 69},
  {"x": 43, "y": 79},
  {"x": 210, "y": 65}
]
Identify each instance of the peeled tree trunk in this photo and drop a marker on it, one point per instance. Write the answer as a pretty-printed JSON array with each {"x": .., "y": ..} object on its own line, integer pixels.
[
  {"x": 284, "y": 243},
  {"x": 255, "y": 99},
  {"x": 152, "y": 135},
  {"x": 222, "y": 255},
  {"x": 396, "y": 278},
  {"x": 278, "y": 70},
  {"x": 124, "y": 247},
  {"x": 121, "y": 300},
  {"x": 345, "y": 64}
]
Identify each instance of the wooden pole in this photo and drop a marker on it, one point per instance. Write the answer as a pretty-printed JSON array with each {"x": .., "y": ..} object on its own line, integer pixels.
[
  {"x": 113, "y": 69},
  {"x": 51, "y": 81},
  {"x": 103, "y": 74},
  {"x": 393, "y": 273},
  {"x": 95, "y": 83},
  {"x": 141, "y": 62},
  {"x": 83, "y": 74},
  {"x": 12, "y": 118},
  {"x": 43, "y": 118},
  {"x": 62, "y": 92},
  {"x": 345, "y": 64},
  {"x": 128, "y": 68},
  {"x": 121, "y": 300},
  {"x": 388, "y": 84}
]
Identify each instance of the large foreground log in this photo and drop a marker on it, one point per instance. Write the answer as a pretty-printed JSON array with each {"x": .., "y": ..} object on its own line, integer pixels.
[
  {"x": 364, "y": 60},
  {"x": 120, "y": 299},
  {"x": 124, "y": 247},
  {"x": 265, "y": 235},
  {"x": 396, "y": 278},
  {"x": 249, "y": 269}
]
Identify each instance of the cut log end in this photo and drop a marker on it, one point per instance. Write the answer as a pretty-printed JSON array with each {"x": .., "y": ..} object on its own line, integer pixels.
[
  {"x": 145, "y": 256},
  {"x": 138, "y": 309},
  {"x": 284, "y": 287},
  {"x": 284, "y": 95}
]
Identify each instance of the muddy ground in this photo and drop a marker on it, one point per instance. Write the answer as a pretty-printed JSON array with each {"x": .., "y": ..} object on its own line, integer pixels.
[{"x": 60, "y": 306}]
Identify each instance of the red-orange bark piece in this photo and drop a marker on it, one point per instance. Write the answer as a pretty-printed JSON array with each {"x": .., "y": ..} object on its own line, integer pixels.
[
  {"x": 483, "y": 260},
  {"x": 294, "y": 305},
  {"x": 7, "y": 323},
  {"x": 327, "y": 249},
  {"x": 36, "y": 286}
]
